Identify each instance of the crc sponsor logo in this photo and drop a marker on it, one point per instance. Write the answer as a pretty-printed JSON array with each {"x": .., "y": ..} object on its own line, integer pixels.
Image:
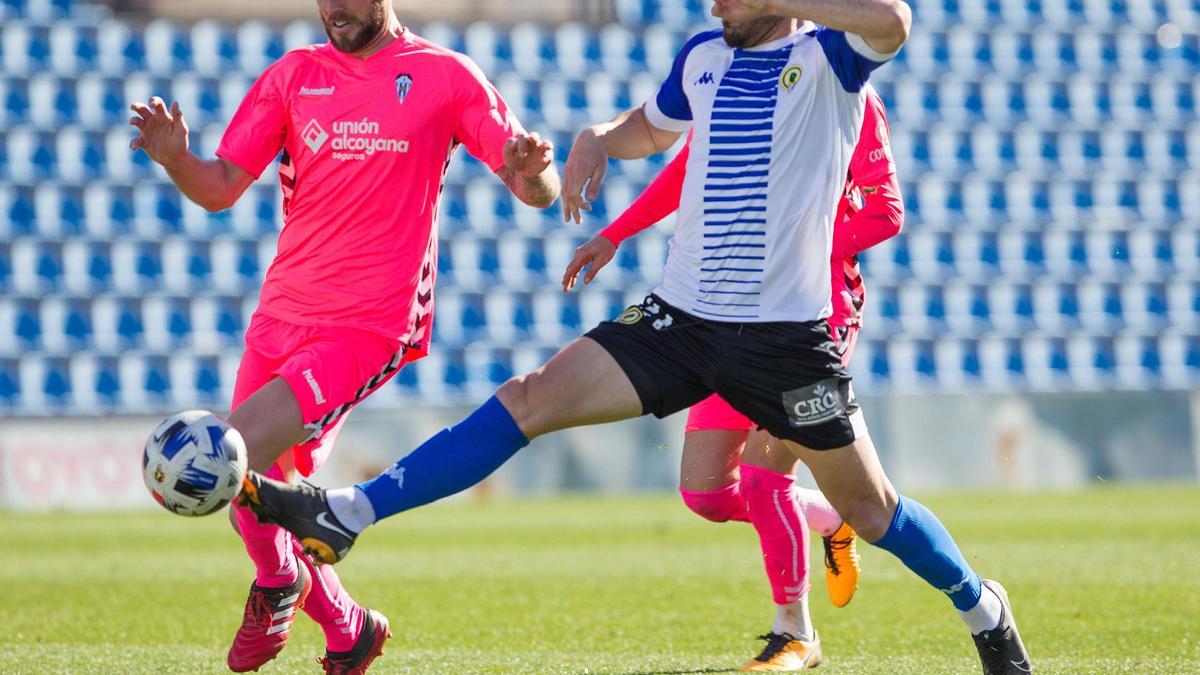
[
  {"x": 359, "y": 139},
  {"x": 817, "y": 403}
]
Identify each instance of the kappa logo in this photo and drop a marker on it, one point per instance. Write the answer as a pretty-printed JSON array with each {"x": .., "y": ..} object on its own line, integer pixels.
[
  {"x": 706, "y": 78},
  {"x": 815, "y": 404},
  {"x": 404, "y": 83},
  {"x": 396, "y": 473},
  {"x": 314, "y": 136}
]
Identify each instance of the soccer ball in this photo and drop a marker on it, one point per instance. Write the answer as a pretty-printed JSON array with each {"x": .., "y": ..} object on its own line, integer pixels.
[{"x": 194, "y": 463}]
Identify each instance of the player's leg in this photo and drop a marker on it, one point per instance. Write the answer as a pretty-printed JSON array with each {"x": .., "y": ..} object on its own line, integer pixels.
[
  {"x": 853, "y": 480},
  {"x": 315, "y": 377},
  {"x": 768, "y": 486},
  {"x": 281, "y": 583},
  {"x": 790, "y": 379},
  {"x": 620, "y": 369},
  {"x": 712, "y": 450}
]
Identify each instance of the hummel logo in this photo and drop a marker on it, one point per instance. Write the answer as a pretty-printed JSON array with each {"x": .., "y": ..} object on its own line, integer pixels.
[
  {"x": 322, "y": 91},
  {"x": 706, "y": 78},
  {"x": 324, "y": 521}
]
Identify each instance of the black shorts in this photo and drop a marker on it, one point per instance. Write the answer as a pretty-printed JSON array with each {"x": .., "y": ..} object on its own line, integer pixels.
[{"x": 787, "y": 377}]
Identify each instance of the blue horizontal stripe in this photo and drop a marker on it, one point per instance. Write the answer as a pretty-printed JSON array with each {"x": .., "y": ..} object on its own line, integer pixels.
[
  {"x": 735, "y": 198},
  {"x": 739, "y": 140},
  {"x": 741, "y": 88},
  {"x": 783, "y": 53},
  {"x": 732, "y": 94},
  {"x": 741, "y": 128},
  {"x": 734, "y": 234},
  {"x": 748, "y": 106},
  {"x": 727, "y": 163},
  {"x": 728, "y": 281},
  {"x": 743, "y": 186},
  {"x": 739, "y": 115},
  {"x": 729, "y": 304},
  {"x": 732, "y": 292},
  {"x": 737, "y": 174},
  {"x": 752, "y": 152},
  {"x": 731, "y": 269},
  {"x": 720, "y": 246},
  {"x": 715, "y": 315},
  {"x": 748, "y": 209},
  {"x": 757, "y": 85},
  {"x": 735, "y": 257},
  {"x": 747, "y": 221}
]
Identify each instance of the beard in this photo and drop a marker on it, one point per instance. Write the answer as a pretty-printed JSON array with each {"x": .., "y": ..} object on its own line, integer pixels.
[
  {"x": 749, "y": 33},
  {"x": 363, "y": 30}
]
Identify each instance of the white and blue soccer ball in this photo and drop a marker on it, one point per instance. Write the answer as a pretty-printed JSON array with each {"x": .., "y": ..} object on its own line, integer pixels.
[{"x": 194, "y": 463}]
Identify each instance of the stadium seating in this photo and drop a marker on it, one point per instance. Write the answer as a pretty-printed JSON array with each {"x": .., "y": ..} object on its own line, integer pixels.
[{"x": 1051, "y": 172}]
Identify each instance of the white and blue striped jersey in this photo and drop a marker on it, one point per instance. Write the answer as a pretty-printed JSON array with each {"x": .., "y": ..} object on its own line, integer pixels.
[{"x": 774, "y": 129}]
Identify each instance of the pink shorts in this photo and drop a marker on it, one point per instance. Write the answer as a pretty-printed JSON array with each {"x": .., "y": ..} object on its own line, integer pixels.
[
  {"x": 714, "y": 414},
  {"x": 328, "y": 369}
]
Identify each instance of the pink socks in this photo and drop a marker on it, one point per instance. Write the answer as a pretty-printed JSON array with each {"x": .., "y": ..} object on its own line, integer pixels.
[
  {"x": 330, "y": 605},
  {"x": 718, "y": 506},
  {"x": 782, "y": 531},
  {"x": 269, "y": 546},
  {"x": 276, "y": 553}
]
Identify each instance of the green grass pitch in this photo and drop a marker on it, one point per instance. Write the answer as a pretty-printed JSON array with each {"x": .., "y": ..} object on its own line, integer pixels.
[{"x": 1106, "y": 580}]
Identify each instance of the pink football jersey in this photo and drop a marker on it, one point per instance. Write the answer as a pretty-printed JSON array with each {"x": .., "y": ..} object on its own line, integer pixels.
[{"x": 366, "y": 144}]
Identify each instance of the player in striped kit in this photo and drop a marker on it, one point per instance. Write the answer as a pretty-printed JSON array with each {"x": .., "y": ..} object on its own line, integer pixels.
[
  {"x": 711, "y": 482},
  {"x": 775, "y": 100}
]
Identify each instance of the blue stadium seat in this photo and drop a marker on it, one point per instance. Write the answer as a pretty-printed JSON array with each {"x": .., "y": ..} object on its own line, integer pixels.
[
  {"x": 168, "y": 50},
  {"x": 59, "y": 210},
  {"x": 258, "y": 46},
  {"x": 168, "y": 322},
  {"x": 509, "y": 317},
  {"x": 10, "y": 385},
  {"x": 25, "y": 47},
  {"x": 213, "y": 47},
  {"x": 116, "y": 323},
  {"x": 45, "y": 383}
]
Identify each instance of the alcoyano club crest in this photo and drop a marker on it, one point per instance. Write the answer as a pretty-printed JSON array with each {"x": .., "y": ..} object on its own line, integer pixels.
[{"x": 404, "y": 84}]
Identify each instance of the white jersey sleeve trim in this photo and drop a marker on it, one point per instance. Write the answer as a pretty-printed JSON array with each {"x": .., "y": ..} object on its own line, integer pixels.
[
  {"x": 659, "y": 119},
  {"x": 858, "y": 44}
]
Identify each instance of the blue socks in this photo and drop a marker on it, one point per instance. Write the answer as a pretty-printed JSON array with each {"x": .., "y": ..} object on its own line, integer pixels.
[
  {"x": 922, "y": 543},
  {"x": 452, "y": 461}
]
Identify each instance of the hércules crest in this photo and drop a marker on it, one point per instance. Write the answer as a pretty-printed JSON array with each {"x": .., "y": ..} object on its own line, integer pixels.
[{"x": 404, "y": 84}]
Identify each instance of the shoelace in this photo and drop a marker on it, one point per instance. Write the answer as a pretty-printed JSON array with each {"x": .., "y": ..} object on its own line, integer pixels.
[
  {"x": 259, "y": 610},
  {"x": 832, "y": 545},
  {"x": 775, "y": 644}
]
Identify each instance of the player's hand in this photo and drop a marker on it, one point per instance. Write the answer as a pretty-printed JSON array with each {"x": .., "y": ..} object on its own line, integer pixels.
[
  {"x": 741, "y": 10},
  {"x": 528, "y": 155},
  {"x": 594, "y": 255},
  {"x": 586, "y": 164},
  {"x": 164, "y": 133}
]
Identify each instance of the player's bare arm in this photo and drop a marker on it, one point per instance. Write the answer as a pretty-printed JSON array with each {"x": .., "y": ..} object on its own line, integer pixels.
[
  {"x": 163, "y": 134},
  {"x": 529, "y": 171},
  {"x": 883, "y": 24},
  {"x": 627, "y": 136}
]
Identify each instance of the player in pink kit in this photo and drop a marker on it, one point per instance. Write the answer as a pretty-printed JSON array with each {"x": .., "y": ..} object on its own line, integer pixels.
[
  {"x": 367, "y": 124},
  {"x": 762, "y": 489}
]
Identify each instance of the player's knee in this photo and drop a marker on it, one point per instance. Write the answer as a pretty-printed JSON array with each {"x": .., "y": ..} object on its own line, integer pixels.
[
  {"x": 869, "y": 516},
  {"x": 519, "y": 399},
  {"x": 719, "y": 506}
]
